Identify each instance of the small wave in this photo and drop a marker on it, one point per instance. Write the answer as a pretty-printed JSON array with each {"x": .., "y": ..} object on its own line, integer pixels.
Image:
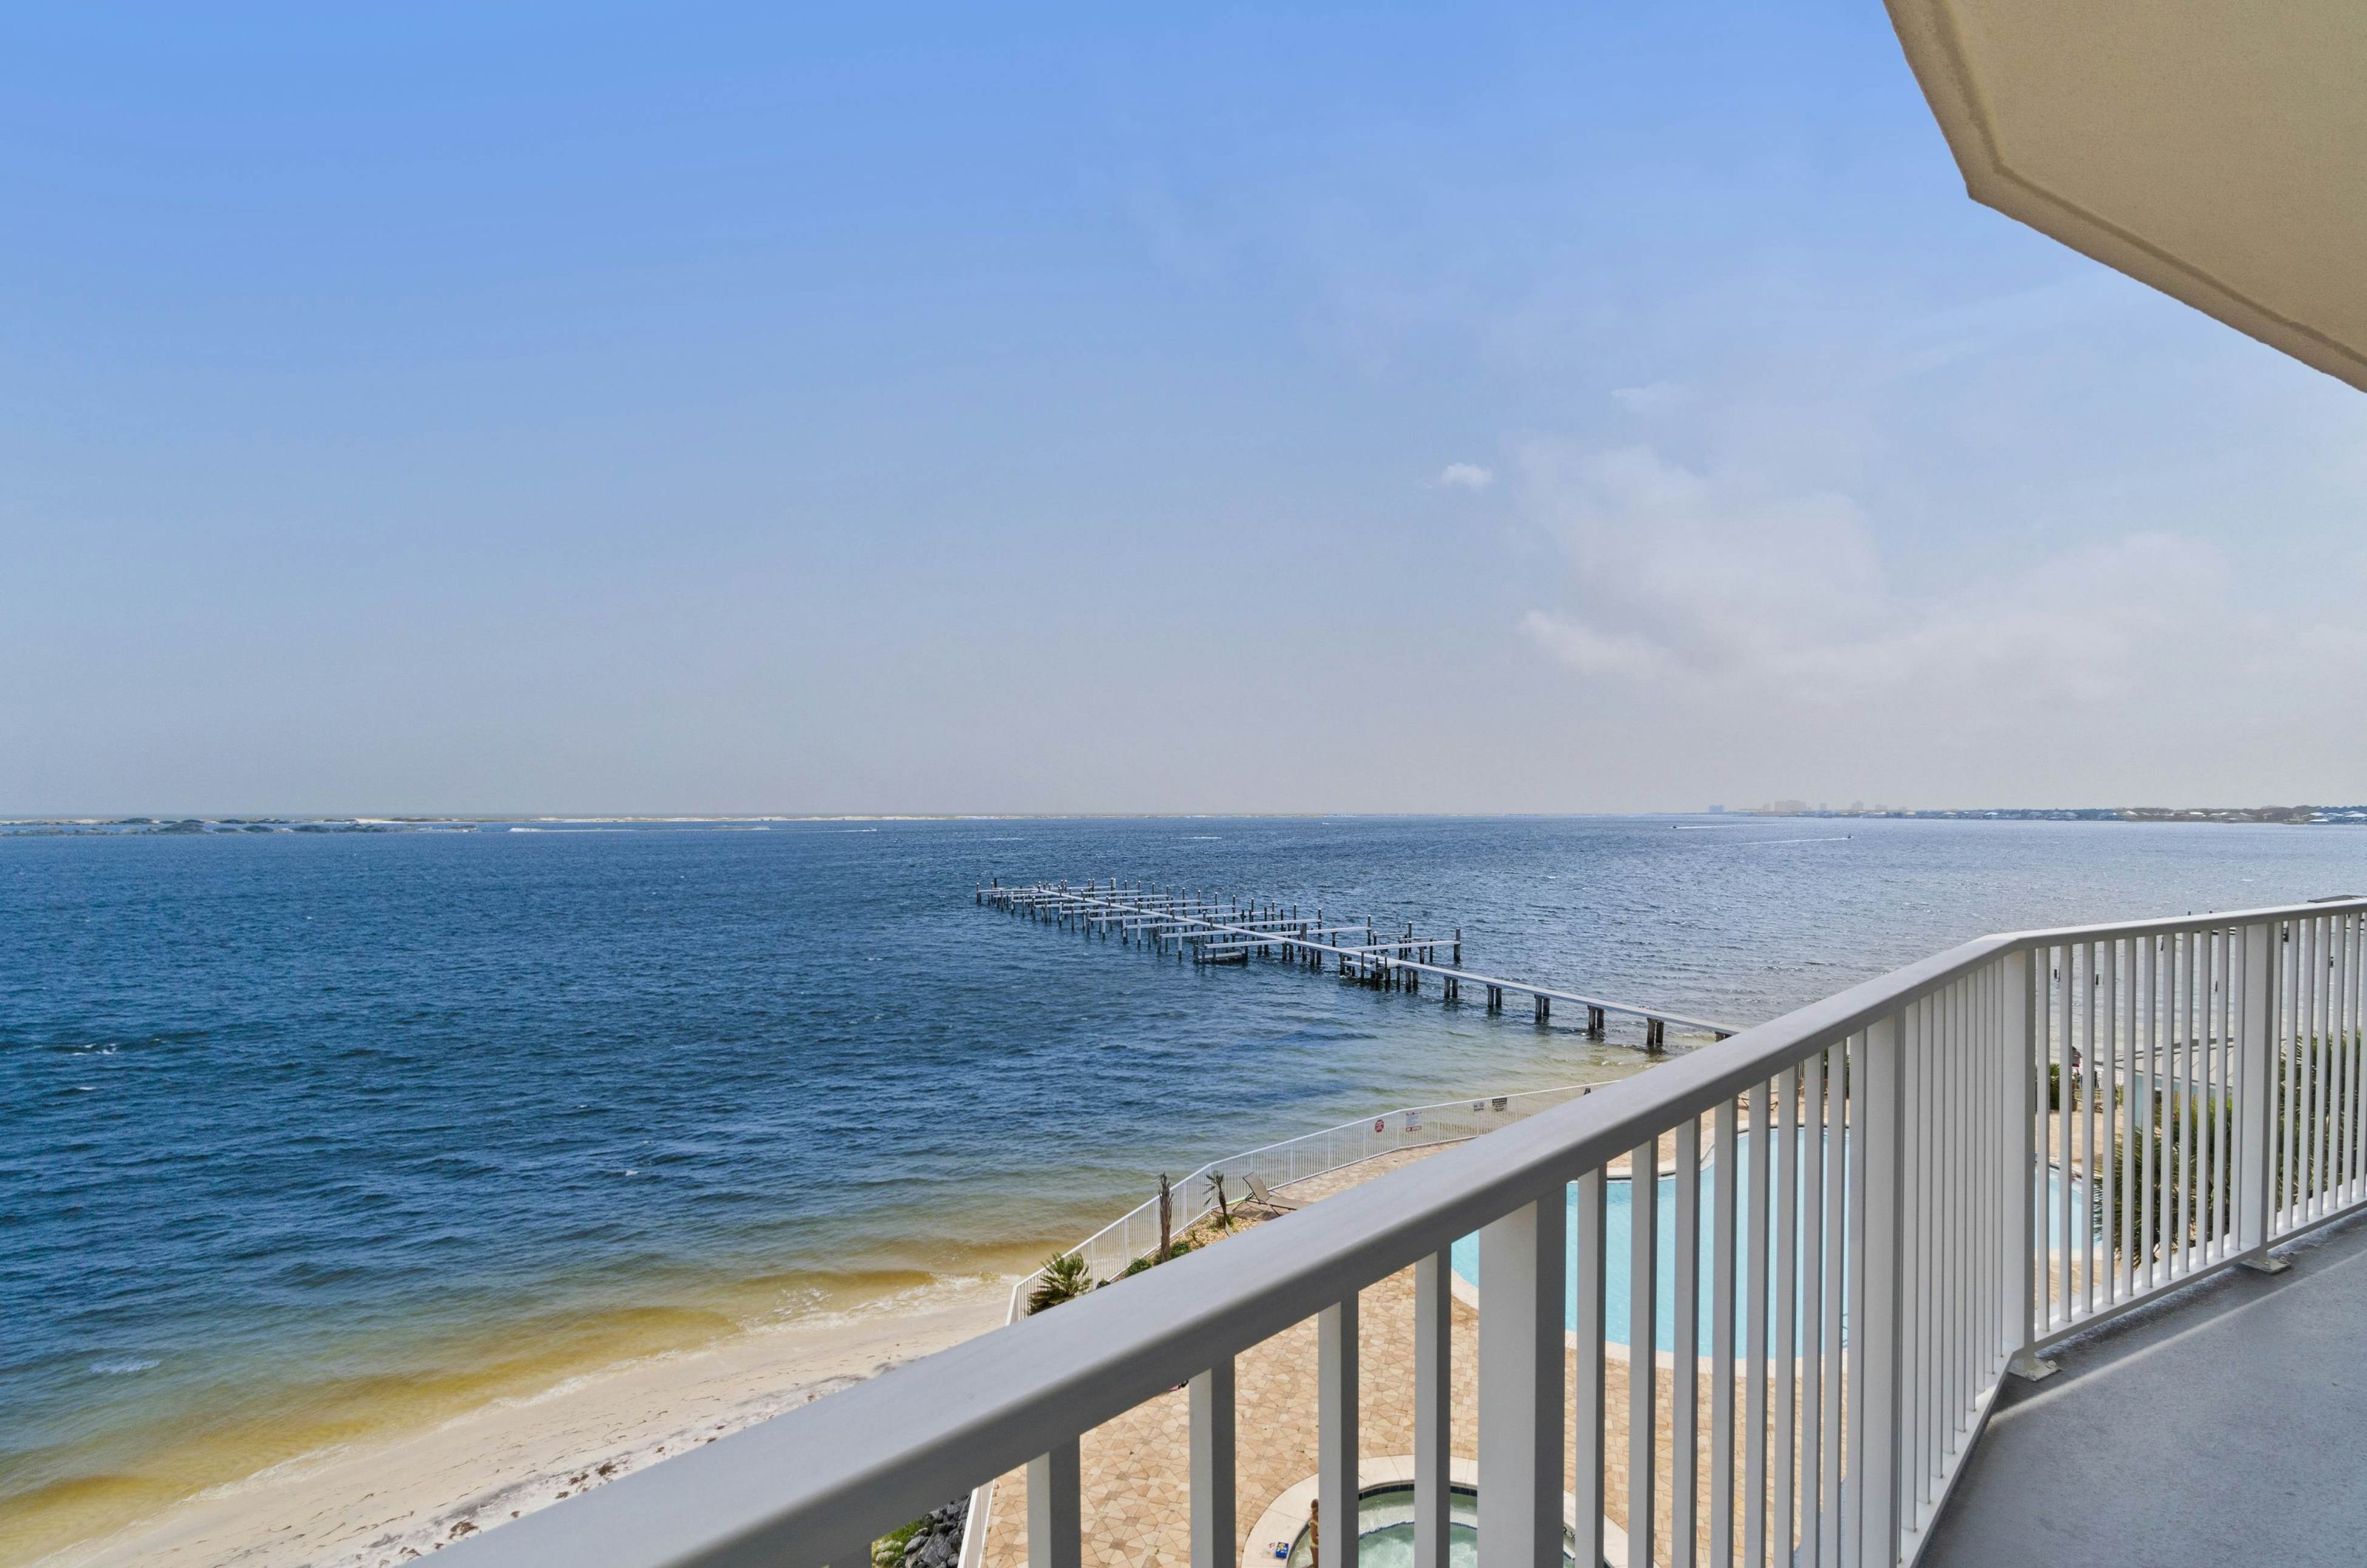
[
  {"x": 808, "y": 1308},
  {"x": 312, "y": 1459},
  {"x": 120, "y": 1366}
]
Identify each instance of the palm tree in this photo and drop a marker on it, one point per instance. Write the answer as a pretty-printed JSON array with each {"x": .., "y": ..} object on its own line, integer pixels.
[
  {"x": 1217, "y": 1192},
  {"x": 1063, "y": 1278}
]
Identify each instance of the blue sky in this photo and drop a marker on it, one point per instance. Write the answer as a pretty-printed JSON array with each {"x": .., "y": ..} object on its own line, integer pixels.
[{"x": 503, "y": 409}]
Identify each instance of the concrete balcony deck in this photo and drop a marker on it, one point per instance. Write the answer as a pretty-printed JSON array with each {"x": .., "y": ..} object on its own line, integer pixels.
[{"x": 2225, "y": 1425}]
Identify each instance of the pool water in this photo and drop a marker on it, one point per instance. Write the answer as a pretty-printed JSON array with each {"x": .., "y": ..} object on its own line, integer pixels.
[
  {"x": 1385, "y": 1531},
  {"x": 1618, "y": 1204}
]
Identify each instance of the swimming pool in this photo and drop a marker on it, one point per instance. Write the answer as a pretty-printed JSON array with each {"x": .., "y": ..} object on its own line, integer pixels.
[{"x": 1618, "y": 1203}]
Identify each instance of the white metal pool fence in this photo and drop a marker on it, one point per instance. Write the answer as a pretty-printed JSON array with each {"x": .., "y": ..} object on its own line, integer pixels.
[
  {"x": 1109, "y": 1251},
  {"x": 2210, "y": 1085}
]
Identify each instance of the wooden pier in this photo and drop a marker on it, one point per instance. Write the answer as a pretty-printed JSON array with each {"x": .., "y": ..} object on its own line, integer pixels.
[{"x": 1202, "y": 928}]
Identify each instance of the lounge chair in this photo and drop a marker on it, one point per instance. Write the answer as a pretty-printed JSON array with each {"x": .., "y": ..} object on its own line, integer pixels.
[{"x": 1263, "y": 1197}]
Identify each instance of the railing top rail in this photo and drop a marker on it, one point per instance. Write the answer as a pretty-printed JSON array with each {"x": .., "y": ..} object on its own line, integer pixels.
[
  {"x": 2341, "y": 904},
  {"x": 803, "y": 1488}
]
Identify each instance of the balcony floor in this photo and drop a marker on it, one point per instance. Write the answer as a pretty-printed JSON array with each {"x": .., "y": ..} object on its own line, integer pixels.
[{"x": 2223, "y": 1426}]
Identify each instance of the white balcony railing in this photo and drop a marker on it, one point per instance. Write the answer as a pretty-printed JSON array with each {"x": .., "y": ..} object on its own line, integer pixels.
[{"x": 1988, "y": 1150}]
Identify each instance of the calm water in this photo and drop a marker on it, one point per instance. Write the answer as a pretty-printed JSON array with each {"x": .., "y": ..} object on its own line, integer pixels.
[{"x": 306, "y": 1135}]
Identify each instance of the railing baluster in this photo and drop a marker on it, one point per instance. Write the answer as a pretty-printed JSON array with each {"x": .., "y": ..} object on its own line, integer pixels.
[
  {"x": 2320, "y": 1057},
  {"x": 1587, "y": 1396},
  {"x": 2339, "y": 989},
  {"x": 1337, "y": 1448},
  {"x": 2119, "y": 1232},
  {"x": 1848, "y": 1465},
  {"x": 1643, "y": 1321},
  {"x": 2296, "y": 1108},
  {"x": 1967, "y": 1237},
  {"x": 1989, "y": 1043},
  {"x": 1055, "y": 1520},
  {"x": 1877, "y": 1349},
  {"x": 1836, "y": 1153},
  {"x": 2091, "y": 981},
  {"x": 2338, "y": 1131},
  {"x": 1434, "y": 1404},
  {"x": 2026, "y": 1179},
  {"x": 1786, "y": 1349},
  {"x": 1914, "y": 1309},
  {"x": 2304, "y": 1065},
  {"x": 1725, "y": 1159},
  {"x": 2221, "y": 947},
  {"x": 2150, "y": 1113},
  {"x": 2287, "y": 1036},
  {"x": 2290, "y": 1203},
  {"x": 2321, "y": 1189},
  {"x": 1814, "y": 1139},
  {"x": 1213, "y": 1470},
  {"x": 2330, "y": 1072},
  {"x": 2193, "y": 1162},
  {"x": 2233, "y": 948},
  {"x": 1521, "y": 1279},
  {"x": 2060, "y": 1253},
  {"x": 2352, "y": 932},
  {"x": 2006, "y": 1065},
  {"x": 2357, "y": 1018},
  {"x": 1684, "y": 1394},
  {"x": 2256, "y": 1049},
  {"x": 1932, "y": 1078},
  {"x": 1760, "y": 1257},
  {"x": 1981, "y": 1135}
]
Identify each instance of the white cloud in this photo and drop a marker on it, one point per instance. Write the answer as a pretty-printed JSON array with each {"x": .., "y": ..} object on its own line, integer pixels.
[
  {"x": 1762, "y": 610},
  {"x": 1465, "y": 475}
]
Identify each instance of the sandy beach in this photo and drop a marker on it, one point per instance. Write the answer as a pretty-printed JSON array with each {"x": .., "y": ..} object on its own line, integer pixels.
[{"x": 369, "y": 1505}]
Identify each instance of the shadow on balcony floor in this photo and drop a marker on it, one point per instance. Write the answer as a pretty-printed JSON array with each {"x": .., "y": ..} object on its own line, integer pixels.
[{"x": 2223, "y": 1426}]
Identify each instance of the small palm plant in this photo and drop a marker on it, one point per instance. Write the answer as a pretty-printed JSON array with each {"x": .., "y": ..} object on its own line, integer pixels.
[
  {"x": 1224, "y": 1209},
  {"x": 1063, "y": 1278}
]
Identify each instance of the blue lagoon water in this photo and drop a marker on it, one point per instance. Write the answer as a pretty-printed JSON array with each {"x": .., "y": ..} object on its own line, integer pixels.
[{"x": 310, "y": 1135}]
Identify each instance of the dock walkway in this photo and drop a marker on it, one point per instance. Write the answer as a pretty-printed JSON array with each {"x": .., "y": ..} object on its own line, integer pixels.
[{"x": 1224, "y": 930}]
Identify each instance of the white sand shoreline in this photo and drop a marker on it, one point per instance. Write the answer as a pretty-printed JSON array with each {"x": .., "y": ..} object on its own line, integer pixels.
[{"x": 376, "y": 1505}]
